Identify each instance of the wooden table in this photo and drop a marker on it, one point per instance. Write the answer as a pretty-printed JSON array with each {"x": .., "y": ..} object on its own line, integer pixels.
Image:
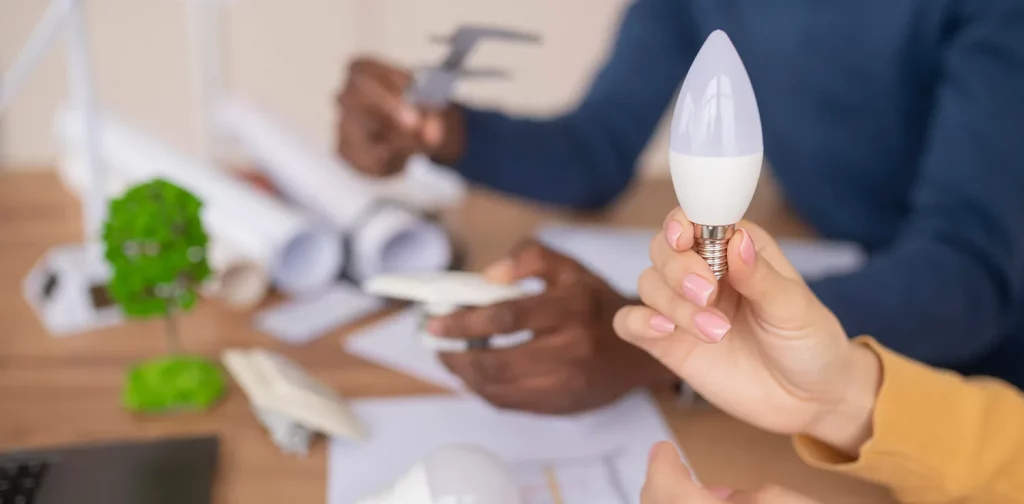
[{"x": 55, "y": 391}]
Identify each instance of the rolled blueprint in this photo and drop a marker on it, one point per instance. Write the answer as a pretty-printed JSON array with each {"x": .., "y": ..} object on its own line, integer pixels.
[
  {"x": 298, "y": 171},
  {"x": 423, "y": 186},
  {"x": 300, "y": 253},
  {"x": 383, "y": 238},
  {"x": 394, "y": 240},
  {"x": 237, "y": 280}
]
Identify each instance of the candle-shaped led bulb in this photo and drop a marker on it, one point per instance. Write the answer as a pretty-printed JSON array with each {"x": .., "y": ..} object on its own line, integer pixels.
[{"x": 715, "y": 150}]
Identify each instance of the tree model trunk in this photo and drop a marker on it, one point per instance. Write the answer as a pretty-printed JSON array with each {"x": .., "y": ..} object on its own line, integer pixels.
[{"x": 173, "y": 341}]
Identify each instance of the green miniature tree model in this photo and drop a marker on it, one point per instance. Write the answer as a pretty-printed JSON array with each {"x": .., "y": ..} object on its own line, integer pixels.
[{"x": 156, "y": 247}]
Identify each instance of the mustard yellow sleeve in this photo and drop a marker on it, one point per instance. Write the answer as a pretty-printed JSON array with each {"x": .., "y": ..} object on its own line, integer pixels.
[{"x": 937, "y": 436}]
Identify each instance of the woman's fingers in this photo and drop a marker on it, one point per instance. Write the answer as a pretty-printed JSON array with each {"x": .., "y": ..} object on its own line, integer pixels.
[
  {"x": 707, "y": 324},
  {"x": 655, "y": 334},
  {"x": 771, "y": 494},
  {"x": 677, "y": 231},
  {"x": 669, "y": 480},
  {"x": 687, "y": 273}
]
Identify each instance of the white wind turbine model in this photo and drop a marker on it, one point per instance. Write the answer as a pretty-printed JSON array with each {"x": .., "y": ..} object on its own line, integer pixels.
[{"x": 67, "y": 287}]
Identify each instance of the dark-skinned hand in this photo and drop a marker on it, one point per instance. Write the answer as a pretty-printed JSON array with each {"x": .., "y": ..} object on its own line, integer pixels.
[
  {"x": 575, "y": 361},
  {"x": 379, "y": 129}
]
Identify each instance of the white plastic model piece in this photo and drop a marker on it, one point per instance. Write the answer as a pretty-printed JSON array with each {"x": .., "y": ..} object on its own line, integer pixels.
[
  {"x": 433, "y": 87},
  {"x": 67, "y": 288},
  {"x": 288, "y": 401},
  {"x": 445, "y": 292},
  {"x": 291, "y": 437},
  {"x": 457, "y": 474},
  {"x": 715, "y": 147}
]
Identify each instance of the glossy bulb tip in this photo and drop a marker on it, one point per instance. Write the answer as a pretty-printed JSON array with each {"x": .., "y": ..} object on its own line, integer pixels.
[{"x": 716, "y": 112}]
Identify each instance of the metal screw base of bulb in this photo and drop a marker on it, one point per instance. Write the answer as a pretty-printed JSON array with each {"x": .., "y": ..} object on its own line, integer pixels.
[{"x": 712, "y": 243}]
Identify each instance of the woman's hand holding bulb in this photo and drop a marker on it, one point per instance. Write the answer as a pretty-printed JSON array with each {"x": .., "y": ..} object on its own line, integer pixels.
[{"x": 759, "y": 345}]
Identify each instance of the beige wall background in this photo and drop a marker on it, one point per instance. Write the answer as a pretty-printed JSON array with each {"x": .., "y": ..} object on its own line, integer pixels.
[{"x": 289, "y": 57}]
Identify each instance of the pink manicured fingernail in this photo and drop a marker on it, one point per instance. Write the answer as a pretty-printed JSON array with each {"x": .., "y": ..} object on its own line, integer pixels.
[
  {"x": 697, "y": 289},
  {"x": 672, "y": 232},
  {"x": 661, "y": 324},
  {"x": 721, "y": 492},
  {"x": 747, "y": 251},
  {"x": 711, "y": 325}
]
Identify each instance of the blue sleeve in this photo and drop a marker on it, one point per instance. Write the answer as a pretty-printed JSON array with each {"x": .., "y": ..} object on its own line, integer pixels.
[
  {"x": 948, "y": 289},
  {"x": 586, "y": 158}
]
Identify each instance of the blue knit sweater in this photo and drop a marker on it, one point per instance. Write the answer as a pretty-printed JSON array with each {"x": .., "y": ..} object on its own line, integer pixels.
[{"x": 896, "y": 124}]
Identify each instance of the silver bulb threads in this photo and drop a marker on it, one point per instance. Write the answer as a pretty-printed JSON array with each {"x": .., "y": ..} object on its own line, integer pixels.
[{"x": 712, "y": 244}]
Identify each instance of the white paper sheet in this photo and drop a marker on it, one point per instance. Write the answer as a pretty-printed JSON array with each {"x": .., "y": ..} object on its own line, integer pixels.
[
  {"x": 384, "y": 238},
  {"x": 619, "y": 255},
  {"x": 305, "y": 318},
  {"x": 300, "y": 254},
  {"x": 395, "y": 343},
  {"x": 599, "y": 457}
]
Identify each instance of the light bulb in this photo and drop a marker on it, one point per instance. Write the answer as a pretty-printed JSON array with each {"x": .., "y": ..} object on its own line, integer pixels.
[
  {"x": 458, "y": 474},
  {"x": 715, "y": 150}
]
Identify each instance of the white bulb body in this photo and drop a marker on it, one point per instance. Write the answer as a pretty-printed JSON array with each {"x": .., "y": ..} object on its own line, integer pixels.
[
  {"x": 453, "y": 475},
  {"x": 714, "y": 191},
  {"x": 716, "y": 148}
]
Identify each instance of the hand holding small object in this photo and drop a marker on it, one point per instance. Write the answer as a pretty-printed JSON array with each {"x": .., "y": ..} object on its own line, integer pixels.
[
  {"x": 574, "y": 361},
  {"x": 758, "y": 344},
  {"x": 380, "y": 129}
]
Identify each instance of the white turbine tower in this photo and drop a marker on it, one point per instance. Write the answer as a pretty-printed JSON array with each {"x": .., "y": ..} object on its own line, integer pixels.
[
  {"x": 67, "y": 287},
  {"x": 67, "y": 16}
]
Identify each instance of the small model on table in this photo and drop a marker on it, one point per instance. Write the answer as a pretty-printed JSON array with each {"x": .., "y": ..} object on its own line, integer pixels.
[{"x": 156, "y": 248}]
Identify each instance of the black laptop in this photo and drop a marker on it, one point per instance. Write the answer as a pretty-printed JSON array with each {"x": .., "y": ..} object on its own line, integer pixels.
[{"x": 166, "y": 471}]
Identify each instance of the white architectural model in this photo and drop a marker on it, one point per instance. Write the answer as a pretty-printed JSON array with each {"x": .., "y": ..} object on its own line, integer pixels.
[
  {"x": 445, "y": 292},
  {"x": 290, "y": 404},
  {"x": 67, "y": 288}
]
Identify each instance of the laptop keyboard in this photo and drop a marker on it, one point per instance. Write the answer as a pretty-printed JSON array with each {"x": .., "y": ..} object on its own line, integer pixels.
[{"x": 20, "y": 481}]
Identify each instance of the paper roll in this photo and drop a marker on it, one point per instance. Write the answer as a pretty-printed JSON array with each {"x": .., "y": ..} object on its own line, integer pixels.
[
  {"x": 300, "y": 254},
  {"x": 237, "y": 279},
  {"x": 394, "y": 240},
  {"x": 303, "y": 175},
  {"x": 423, "y": 185},
  {"x": 382, "y": 238}
]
